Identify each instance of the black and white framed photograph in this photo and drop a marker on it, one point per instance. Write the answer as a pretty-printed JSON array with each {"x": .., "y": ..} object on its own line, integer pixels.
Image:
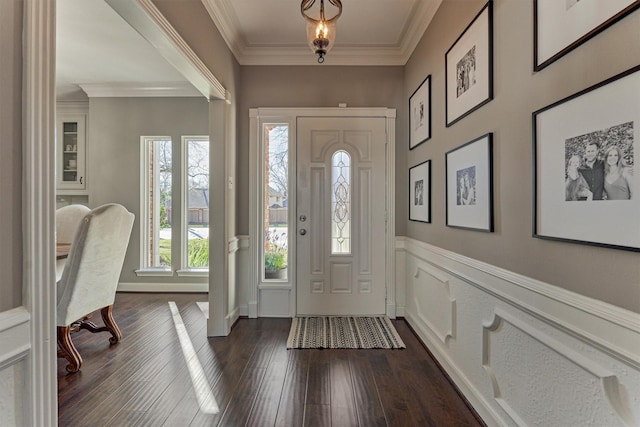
[
  {"x": 420, "y": 192},
  {"x": 469, "y": 68},
  {"x": 562, "y": 25},
  {"x": 420, "y": 114},
  {"x": 469, "y": 172},
  {"x": 584, "y": 165}
]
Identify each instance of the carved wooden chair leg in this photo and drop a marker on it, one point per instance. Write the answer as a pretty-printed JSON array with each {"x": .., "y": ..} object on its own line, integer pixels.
[
  {"x": 110, "y": 323},
  {"x": 68, "y": 350}
]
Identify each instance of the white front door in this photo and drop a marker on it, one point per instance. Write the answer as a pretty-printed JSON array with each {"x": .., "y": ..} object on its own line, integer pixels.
[{"x": 340, "y": 216}]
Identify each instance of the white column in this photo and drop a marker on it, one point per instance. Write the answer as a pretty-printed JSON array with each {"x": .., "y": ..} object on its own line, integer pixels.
[{"x": 38, "y": 207}]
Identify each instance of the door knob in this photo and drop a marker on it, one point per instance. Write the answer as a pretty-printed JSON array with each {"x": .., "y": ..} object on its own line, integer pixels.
[{"x": 302, "y": 232}]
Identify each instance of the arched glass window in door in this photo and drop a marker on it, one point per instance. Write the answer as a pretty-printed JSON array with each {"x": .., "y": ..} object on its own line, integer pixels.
[{"x": 341, "y": 203}]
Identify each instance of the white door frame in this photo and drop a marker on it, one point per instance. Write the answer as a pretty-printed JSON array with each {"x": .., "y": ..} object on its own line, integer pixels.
[{"x": 279, "y": 300}]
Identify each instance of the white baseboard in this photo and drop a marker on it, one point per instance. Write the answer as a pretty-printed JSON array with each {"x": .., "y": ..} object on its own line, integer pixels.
[
  {"x": 243, "y": 310},
  {"x": 252, "y": 309},
  {"x": 233, "y": 317},
  {"x": 522, "y": 351},
  {"x": 457, "y": 375}
]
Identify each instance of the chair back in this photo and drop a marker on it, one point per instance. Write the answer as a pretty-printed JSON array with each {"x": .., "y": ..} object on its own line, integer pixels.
[
  {"x": 91, "y": 275},
  {"x": 67, "y": 220}
]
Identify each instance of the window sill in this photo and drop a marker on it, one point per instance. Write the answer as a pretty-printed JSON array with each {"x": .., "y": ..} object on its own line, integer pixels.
[
  {"x": 194, "y": 272},
  {"x": 278, "y": 285},
  {"x": 154, "y": 272}
]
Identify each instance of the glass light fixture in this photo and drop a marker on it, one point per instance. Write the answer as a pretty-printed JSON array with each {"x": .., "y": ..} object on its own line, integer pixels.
[{"x": 321, "y": 33}]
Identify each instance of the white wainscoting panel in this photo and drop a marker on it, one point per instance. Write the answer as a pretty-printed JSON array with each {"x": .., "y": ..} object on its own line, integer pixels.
[
  {"x": 233, "y": 308},
  {"x": 400, "y": 277},
  {"x": 244, "y": 275},
  {"x": 523, "y": 352},
  {"x": 429, "y": 298},
  {"x": 15, "y": 346},
  {"x": 517, "y": 376},
  {"x": 12, "y": 381}
]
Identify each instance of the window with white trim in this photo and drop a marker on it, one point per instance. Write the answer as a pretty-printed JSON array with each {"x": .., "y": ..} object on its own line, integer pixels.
[
  {"x": 275, "y": 205},
  {"x": 195, "y": 203},
  {"x": 156, "y": 177}
]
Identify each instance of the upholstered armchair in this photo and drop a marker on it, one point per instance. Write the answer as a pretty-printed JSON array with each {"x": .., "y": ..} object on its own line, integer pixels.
[
  {"x": 90, "y": 277},
  {"x": 67, "y": 221}
]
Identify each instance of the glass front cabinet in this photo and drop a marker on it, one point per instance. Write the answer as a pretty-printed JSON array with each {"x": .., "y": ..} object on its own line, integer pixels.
[{"x": 70, "y": 153}]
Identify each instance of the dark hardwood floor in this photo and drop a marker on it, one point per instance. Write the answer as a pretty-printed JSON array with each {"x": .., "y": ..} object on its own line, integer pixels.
[{"x": 256, "y": 381}]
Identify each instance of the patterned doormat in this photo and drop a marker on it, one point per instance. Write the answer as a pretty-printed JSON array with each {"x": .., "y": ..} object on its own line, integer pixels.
[{"x": 343, "y": 332}]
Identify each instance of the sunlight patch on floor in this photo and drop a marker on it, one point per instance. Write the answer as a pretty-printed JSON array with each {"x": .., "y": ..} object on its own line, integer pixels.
[{"x": 201, "y": 386}]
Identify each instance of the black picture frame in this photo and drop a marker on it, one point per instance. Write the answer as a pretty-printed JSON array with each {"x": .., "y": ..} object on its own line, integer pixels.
[
  {"x": 561, "y": 26},
  {"x": 469, "y": 68},
  {"x": 420, "y": 114},
  {"x": 573, "y": 202},
  {"x": 420, "y": 192},
  {"x": 469, "y": 185}
]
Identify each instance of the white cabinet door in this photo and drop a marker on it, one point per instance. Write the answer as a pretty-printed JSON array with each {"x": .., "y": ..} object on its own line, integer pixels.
[
  {"x": 341, "y": 216},
  {"x": 70, "y": 152}
]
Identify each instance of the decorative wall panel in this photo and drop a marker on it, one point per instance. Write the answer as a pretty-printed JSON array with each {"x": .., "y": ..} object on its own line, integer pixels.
[
  {"x": 538, "y": 384},
  {"x": 432, "y": 301},
  {"x": 523, "y": 352}
]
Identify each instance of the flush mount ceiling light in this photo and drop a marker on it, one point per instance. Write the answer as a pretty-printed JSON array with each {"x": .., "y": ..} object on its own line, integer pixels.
[{"x": 321, "y": 32}]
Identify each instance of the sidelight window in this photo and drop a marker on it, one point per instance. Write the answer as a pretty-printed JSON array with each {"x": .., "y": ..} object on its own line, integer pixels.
[{"x": 276, "y": 201}]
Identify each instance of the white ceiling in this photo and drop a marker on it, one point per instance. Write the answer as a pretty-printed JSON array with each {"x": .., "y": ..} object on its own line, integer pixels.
[
  {"x": 369, "y": 32},
  {"x": 98, "y": 51},
  {"x": 102, "y": 54}
]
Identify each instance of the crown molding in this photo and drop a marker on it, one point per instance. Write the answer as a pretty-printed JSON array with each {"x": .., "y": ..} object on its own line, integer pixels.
[
  {"x": 72, "y": 106},
  {"x": 337, "y": 56},
  {"x": 425, "y": 11},
  {"x": 227, "y": 23},
  {"x": 131, "y": 90}
]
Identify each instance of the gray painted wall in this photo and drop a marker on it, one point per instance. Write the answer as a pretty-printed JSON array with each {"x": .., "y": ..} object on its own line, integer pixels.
[
  {"x": 606, "y": 274},
  {"x": 312, "y": 86},
  {"x": 11, "y": 158},
  {"x": 115, "y": 128}
]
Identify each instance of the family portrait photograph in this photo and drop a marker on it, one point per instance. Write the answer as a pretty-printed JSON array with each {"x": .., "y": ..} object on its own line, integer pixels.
[
  {"x": 585, "y": 179},
  {"x": 600, "y": 164}
]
